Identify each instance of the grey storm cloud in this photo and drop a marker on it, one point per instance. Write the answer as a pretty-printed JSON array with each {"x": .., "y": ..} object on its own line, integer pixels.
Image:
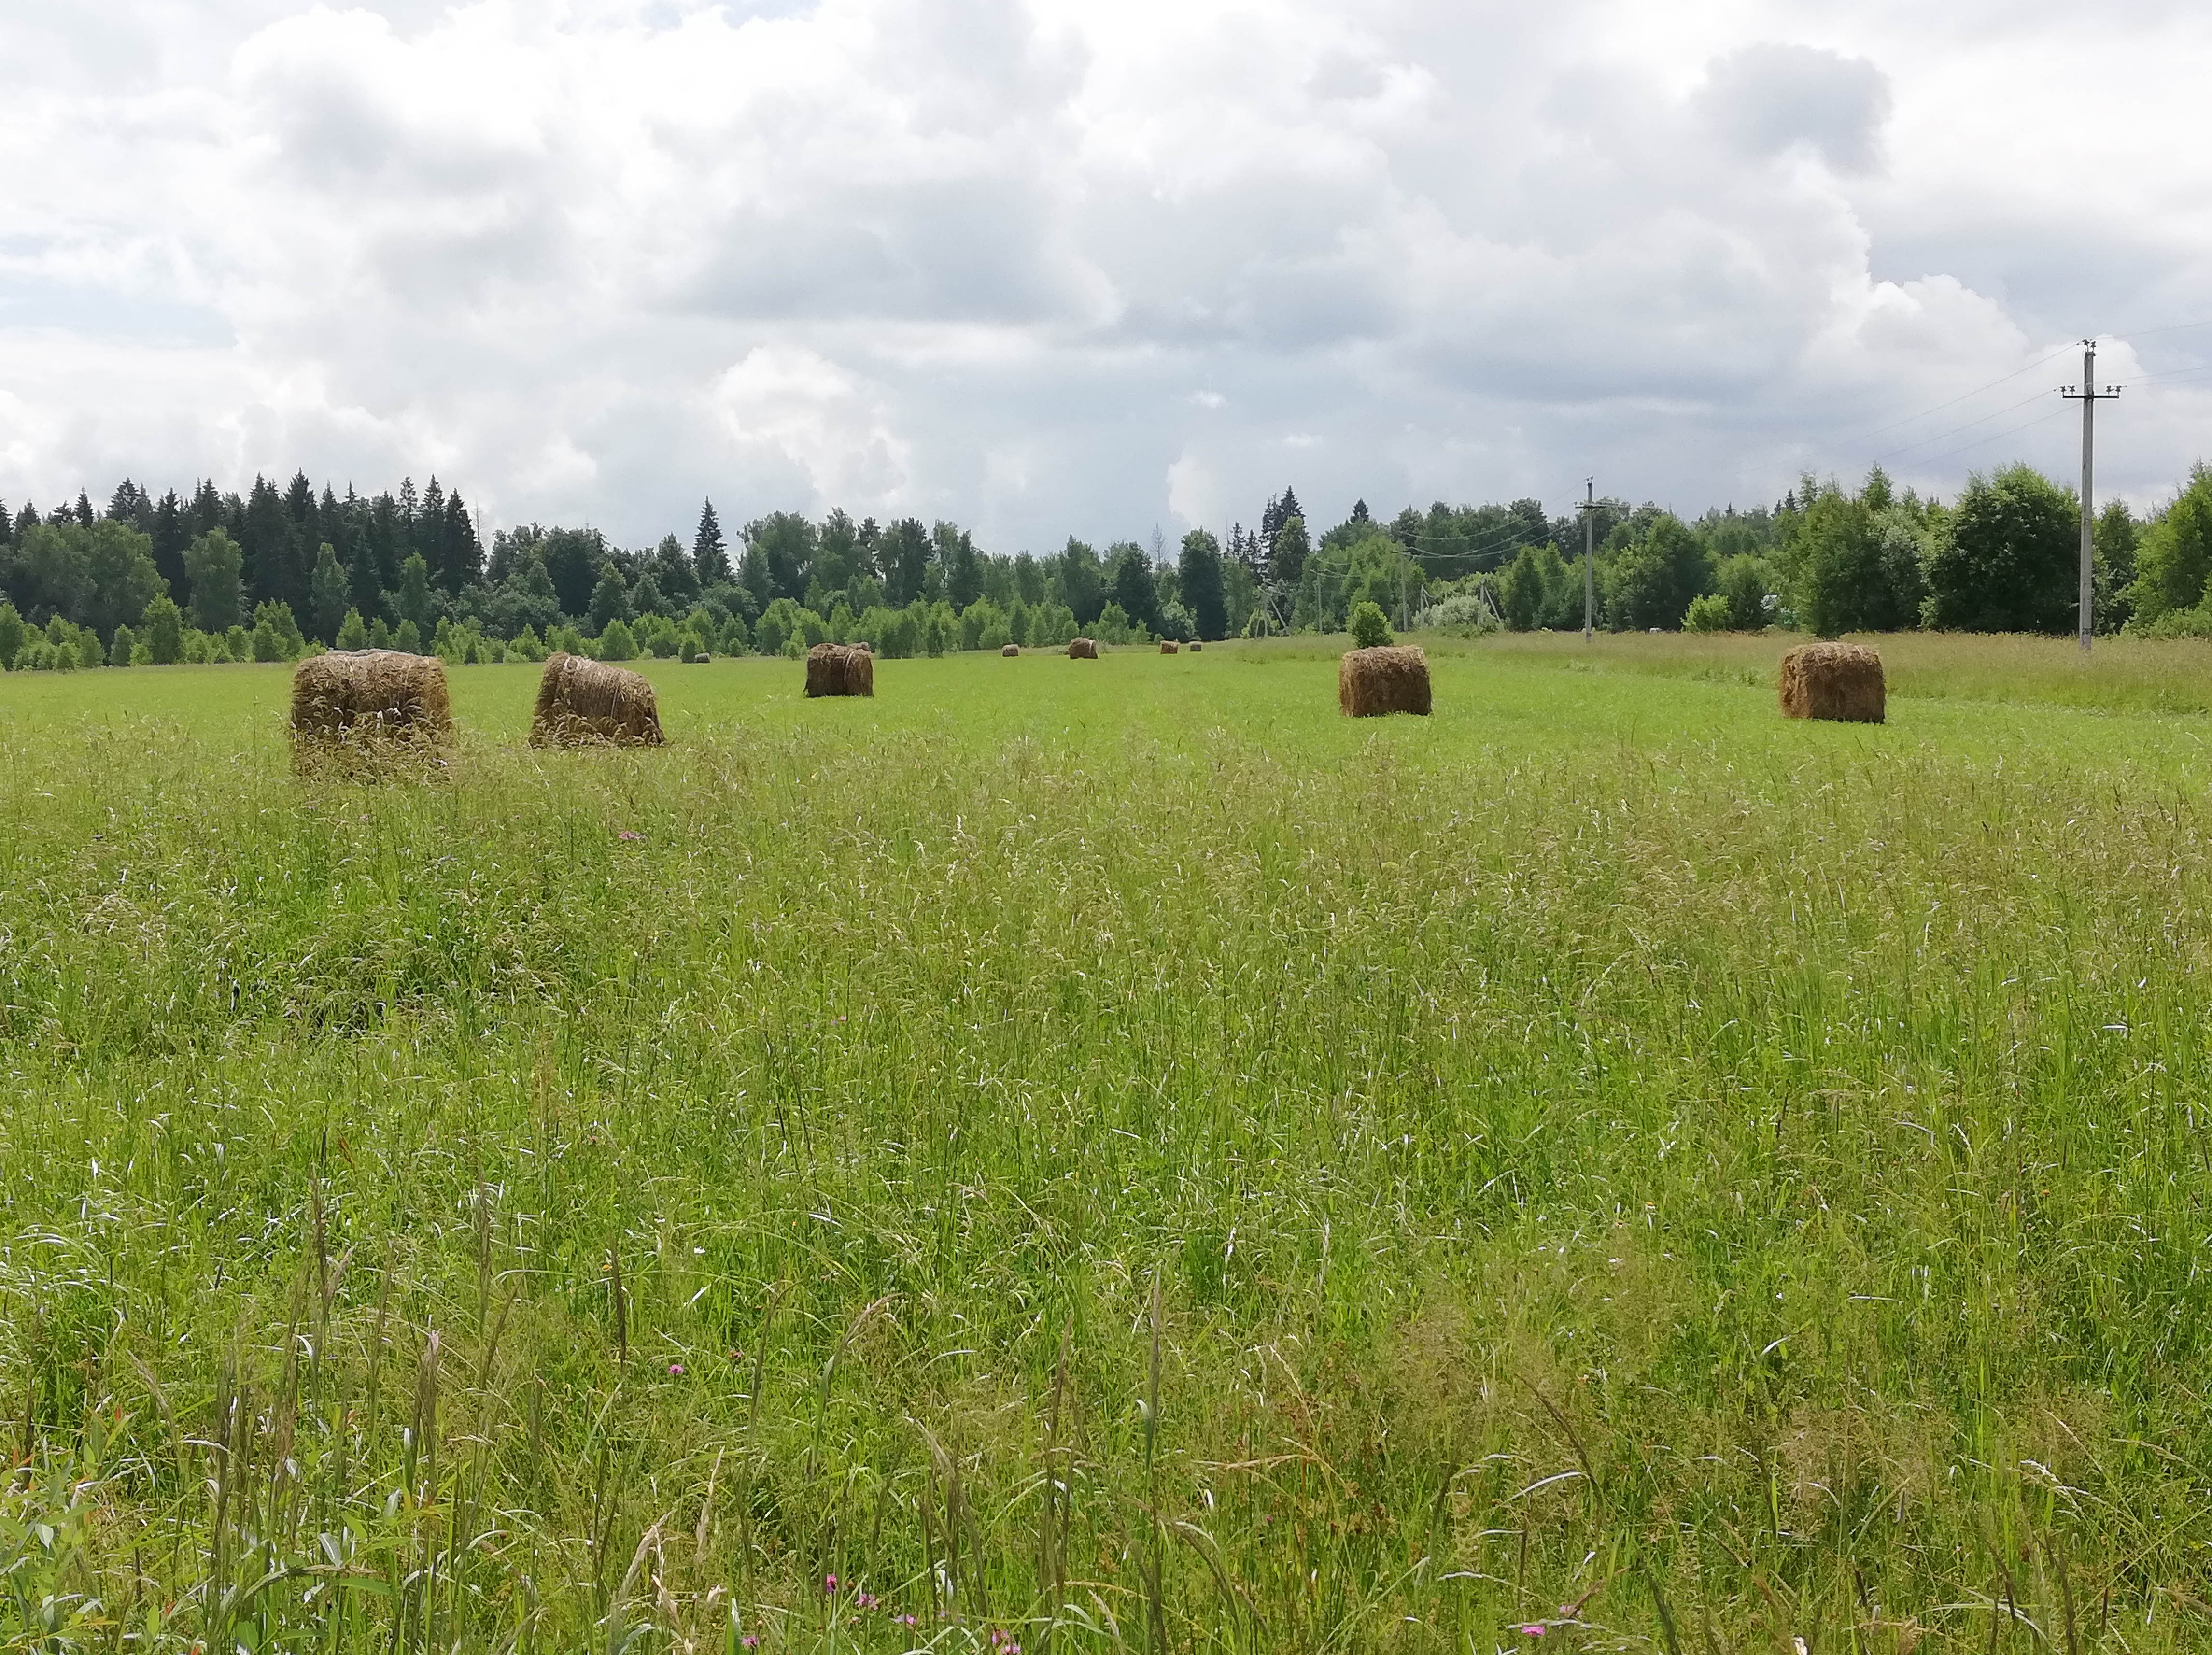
[{"x": 1048, "y": 267}]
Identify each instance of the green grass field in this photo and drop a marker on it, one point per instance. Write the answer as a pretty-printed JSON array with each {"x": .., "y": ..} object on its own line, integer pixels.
[{"x": 1112, "y": 1155}]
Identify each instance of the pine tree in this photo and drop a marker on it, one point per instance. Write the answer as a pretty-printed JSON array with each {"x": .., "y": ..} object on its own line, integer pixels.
[
  {"x": 464, "y": 552},
  {"x": 710, "y": 558},
  {"x": 272, "y": 548},
  {"x": 171, "y": 533},
  {"x": 84, "y": 511},
  {"x": 430, "y": 535}
]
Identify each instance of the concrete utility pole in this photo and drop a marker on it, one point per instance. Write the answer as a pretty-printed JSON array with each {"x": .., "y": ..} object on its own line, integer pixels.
[
  {"x": 2088, "y": 396},
  {"x": 1590, "y": 559}
]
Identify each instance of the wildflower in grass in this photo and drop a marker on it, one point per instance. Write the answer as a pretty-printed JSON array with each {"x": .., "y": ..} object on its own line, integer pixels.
[
  {"x": 750, "y": 1640},
  {"x": 627, "y": 837},
  {"x": 1534, "y": 1629},
  {"x": 676, "y": 1370},
  {"x": 829, "y": 1583}
]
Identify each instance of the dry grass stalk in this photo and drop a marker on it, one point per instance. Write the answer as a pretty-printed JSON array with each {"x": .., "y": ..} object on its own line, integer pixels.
[
  {"x": 1842, "y": 681},
  {"x": 583, "y": 703},
  {"x": 1010, "y": 649},
  {"x": 362, "y": 700},
  {"x": 839, "y": 669},
  {"x": 1388, "y": 678},
  {"x": 1082, "y": 649},
  {"x": 1170, "y": 647}
]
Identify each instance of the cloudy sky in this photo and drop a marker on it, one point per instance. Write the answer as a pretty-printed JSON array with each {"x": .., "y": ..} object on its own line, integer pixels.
[{"x": 1048, "y": 267}]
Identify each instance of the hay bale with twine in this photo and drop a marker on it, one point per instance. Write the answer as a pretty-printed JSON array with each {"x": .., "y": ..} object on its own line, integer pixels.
[
  {"x": 1841, "y": 681},
  {"x": 840, "y": 669},
  {"x": 588, "y": 704},
  {"x": 369, "y": 700},
  {"x": 1082, "y": 649},
  {"x": 1010, "y": 649},
  {"x": 1169, "y": 647},
  {"x": 1387, "y": 678}
]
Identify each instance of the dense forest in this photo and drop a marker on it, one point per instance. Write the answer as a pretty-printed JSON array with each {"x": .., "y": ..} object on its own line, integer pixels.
[{"x": 275, "y": 572}]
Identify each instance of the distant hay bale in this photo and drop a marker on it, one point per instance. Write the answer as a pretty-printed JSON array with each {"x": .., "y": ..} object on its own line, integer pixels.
[
  {"x": 1169, "y": 647},
  {"x": 1082, "y": 649},
  {"x": 839, "y": 669},
  {"x": 1387, "y": 678},
  {"x": 1842, "y": 681},
  {"x": 363, "y": 700},
  {"x": 1010, "y": 649},
  {"x": 700, "y": 659},
  {"x": 1195, "y": 646},
  {"x": 585, "y": 704}
]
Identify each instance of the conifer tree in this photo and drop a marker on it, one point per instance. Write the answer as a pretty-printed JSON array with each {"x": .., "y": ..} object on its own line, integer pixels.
[{"x": 710, "y": 558}]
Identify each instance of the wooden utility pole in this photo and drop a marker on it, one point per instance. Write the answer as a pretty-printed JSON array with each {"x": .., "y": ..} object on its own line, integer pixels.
[
  {"x": 1589, "y": 558},
  {"x": 2088, "y": 396}
]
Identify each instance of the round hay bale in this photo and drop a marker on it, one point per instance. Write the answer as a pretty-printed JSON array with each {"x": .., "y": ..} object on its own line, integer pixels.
[
  {"x": 1170, "y": 647},
  {"x": 586, "y": 703},
  {"x": 1387, "y": 678},
  {"x": 839, "y": 669},
  {"x": 700, "y": 660},
  {"x": 368, "y": 699},
  {"x": 1840, "y": 681},
  {"x": 1010, "y": 649},
  {"x": 1082, "y": 649}
]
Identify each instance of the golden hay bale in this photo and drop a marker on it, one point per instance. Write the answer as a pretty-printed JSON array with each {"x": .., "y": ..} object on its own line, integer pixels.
[
  {"x": 838, "y": 669},
  {"x": 582, "y": 704},
  {"x": 1082, "y": 649},
  {"x": 1388, "y": 678},
  {"x": 1169, "y": 647},
  {"x": 1833, "y": 680},
  {"x": 1010, "y": 649},
  {"x": 362, "y": 697}
]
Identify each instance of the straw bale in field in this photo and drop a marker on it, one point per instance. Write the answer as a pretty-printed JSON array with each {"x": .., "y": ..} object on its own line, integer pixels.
[
  {"x": 359, "y": 697},
  {"x": 1833, "y": 680},
  {"x": 1082, "y": 649},
  {"x": 1010, "y": 649},
  {"x": 1387, "y": 678},
  {"x": 583, "y": 703},
  {"x": 1195, "y": 646},
  {"x": 838, "y": 669},
  {"x": 1169, "y": 647}
]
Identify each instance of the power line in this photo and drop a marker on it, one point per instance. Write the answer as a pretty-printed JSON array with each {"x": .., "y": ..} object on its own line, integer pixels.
[
  {"x": 1995, "y": 437},
  {"x": 1976, "y": 391},
  {"x": 1944, "y": 436}
]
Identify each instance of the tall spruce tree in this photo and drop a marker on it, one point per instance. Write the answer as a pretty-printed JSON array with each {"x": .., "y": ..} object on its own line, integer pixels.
[
  {"x": 171, "y": 533},
  {"x": 270, "y": 545},
  {"x": 710, "y": 555}
]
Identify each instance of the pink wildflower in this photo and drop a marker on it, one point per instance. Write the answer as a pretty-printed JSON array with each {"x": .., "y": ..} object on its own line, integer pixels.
[
  {"x": 676, "y": 1370},
  {"x": 1534, "y": 1629}
]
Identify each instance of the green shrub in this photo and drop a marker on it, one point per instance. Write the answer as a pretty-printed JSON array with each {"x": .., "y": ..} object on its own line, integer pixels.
[
  {"x": 1711, "y": 613},
  {"x": 1368, "y": 625},
  {"x": 12, "y": 633},
  {"x": 164, "y": 631},
  {"x": 352, "y": 635},
  {"x": 408, "y": 638},
  {"x": 121, "y": 646},
  {"x": 239, "y": 642},
  {"x": 618, "y": 643}
]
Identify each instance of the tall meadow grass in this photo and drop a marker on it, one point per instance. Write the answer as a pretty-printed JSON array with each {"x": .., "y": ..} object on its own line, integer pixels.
[{"x": 1111, "y": 1155}]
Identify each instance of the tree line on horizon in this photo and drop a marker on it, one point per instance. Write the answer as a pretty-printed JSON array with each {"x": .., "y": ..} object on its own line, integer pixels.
[{"x": 273, "y": 573}]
